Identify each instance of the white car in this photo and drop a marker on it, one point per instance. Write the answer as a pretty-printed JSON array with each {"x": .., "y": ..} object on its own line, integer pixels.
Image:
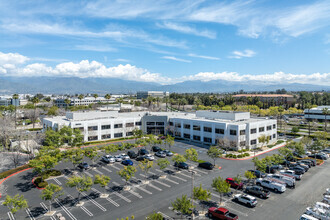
[
  {"x": 324, "y": 154},
  {"x": 307, "y": 217},
  {"x": 277, "y": 187},
  {"x": 322, "y": 205},
  {"x": 326, "y": 199},
  {"x": 149, "y": 157},
  {"x": 317, "y": 213},
  {"x": 125, "y": 157},
  {"x": 291, "y": 173},
  {"x": 327, "y": 191},
  {"x": 287, "y": 180},
  {"x": 118, "y": 158},
  {"x": 108, "y": 159},
  {"x": 246, "y": 199}
]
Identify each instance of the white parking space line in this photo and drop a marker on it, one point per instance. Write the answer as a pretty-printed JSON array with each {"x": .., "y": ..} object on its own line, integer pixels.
[
  {"x": 172, "y": 181},
  {"x": 116, "y": 167},
  {"x": 57, "y": 181},
  {"x": 135, "y": 194},
  {"x": 122, "y": 197},
  {"x": 86, "y": 210},
  {"x": 66, "y": 177},
  {"x": 158, "y": 170},
  {"x": 110, "y": 200},
  {"x": 215, "y": 195},
  {"x": 107, "y": 169},
  {"x": 65, "y": 209},
  {"x": 94, "y": 202},
  {"x": 236, "y": 210},
  {"x": 184, "y": 180},
  {"x": 166, "y": 216},
  {"x": 155, "y": 187},
  {"x": 74, "y": 200},
  {"x": 11, "y": 216},
  {"x": 152, "y": 173},
  {"x": 52, "y": 218},
  {"x": 99, "y": 172},
  {"x": 198, "y": 170},
  {"x": 161, "y": 183},
  {"x": 29, "y": 213},
  {"x": 189, "y": 173},
  {"x": 115, "y": 183},
  {"x": 77, "y": 175},
  {"x": 44, "y": 206},
  {"x": 143, "y": 189},
  {"x": 181, "y": 173},
  {"x": 88, "y": 174}
]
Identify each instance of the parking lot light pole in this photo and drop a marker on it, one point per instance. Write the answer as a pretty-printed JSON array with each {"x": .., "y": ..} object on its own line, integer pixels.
[{"x": 192, "y": 192}]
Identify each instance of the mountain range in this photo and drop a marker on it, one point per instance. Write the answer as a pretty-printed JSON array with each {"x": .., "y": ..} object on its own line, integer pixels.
[{"x": 73, "y": 85}]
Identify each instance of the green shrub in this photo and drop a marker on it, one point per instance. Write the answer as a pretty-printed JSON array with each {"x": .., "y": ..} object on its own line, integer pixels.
[
  {"x": 240, "y": 156},
  {"x": 39, "y": 183},
  {"x": 235, "y": 156},
  {"x": 9, "y": 172}
]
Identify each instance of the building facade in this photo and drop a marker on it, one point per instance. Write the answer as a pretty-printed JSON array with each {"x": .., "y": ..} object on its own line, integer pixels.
[
  {"x": 316, "y": 113},
  {"x": 60, "y": 102},
  {"x": 154, "y": 94},
  {"x": 207, "y": 127}
]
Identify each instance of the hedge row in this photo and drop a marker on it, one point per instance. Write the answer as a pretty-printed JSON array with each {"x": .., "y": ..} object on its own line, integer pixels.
[
  {"x": 9, "y": 172},
  {"x": 237, "y": 156}
]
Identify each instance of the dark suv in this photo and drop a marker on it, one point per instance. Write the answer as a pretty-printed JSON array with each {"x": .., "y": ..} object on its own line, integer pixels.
[
  {"x": 258, "y": 173},
  {"x": 156, "y": 149},
  {"x": 132, "y": 154},
  {"x": 143, "y": 152}
]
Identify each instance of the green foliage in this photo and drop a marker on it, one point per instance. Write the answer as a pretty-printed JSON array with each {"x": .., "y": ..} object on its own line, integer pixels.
[
  {"x": 321, "y": 139},
  {"x": 52, "y": 111},
  {"x": 127, "y": 172},
  {"x": 286, "y": 152},
  {"x": 263, "y": 139},
  {"x": 155, "y": 216},
  {"x": 169, "y": 140},
  {"x": 82, "y": 184},
  {"x": 201, "y": 194},
  {"x": 163, "y": 163},
  {"x": 178, "y": 158},
  {"x": 191, "y": 154},
  {"x": 40, "y": 183},
  {"x": 15, "y": 203},
  {"x": 51, "y": 192},
  {"x": 75, "y": 156},
  {"x": 259, "y": 164},
  {"x": 44, "y": 163},
  {"x": 111, "y": 148},
  {"x": 66, "y": 135},
  {"x": 6, "y": 173},
  {"x": 221, "y": 186},
  {"x": 295, "y": 129},
  {"x": 52, "y": 138},
  {"x": 91, "y": 153},
  {"x": 214, "y": 153},
  {"x": 102, "y": 180},
  {"x": 249, "y": 175},
  {"x": 145, "y": 166},
  {"x": 183, "y": 205}
]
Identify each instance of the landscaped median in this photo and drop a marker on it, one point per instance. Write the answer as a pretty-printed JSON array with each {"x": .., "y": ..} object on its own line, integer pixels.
[{"x": 40, "y": 181}]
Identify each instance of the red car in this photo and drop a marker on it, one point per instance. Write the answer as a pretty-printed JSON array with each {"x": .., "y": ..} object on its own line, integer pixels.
[
  {"x": 234, "y": 184},
  {"x": 221, "y": 213}
]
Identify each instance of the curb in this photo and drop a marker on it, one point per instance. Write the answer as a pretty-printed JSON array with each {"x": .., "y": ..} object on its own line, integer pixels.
[
  {"x": 321, "y": 163},
  {"x": 13, "y": 175},
  {"x": 274, "y": 148},
  {"x": 35, "y": 184}
]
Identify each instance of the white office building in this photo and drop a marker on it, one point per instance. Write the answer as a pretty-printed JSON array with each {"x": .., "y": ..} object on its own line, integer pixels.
[
  {"x": 60, "y": 102},
  {"x": 206, "y": 127},
  {"x": 316, "y": 113},
  {"x": 154, "y": 94}
]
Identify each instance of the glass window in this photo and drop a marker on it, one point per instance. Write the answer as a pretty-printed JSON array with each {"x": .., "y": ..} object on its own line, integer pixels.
[
  {"x": 138, "y": 123},
  {"x": 92, "y": 138},
  {"x": 274, "y": 135},
  {"x": 196, "y": 138},
  {"x": 105, "y": 127},
  {"x": 159, "y": 123},
  {"x": 150, "y": 123},
  {"x": 269, "y": 128},
  {"x": 219, "y": 131},
  {"x": 117, "y": 135},
  {"x": 232, "y": 132},
  {"x": 242, "y": 132},
  {"x": 274, "y": 126},
  {"x": 253, "y": 131},
  {"x": 242, "y": 143},
  {"x": 171, "y": 123},
  {"x": 178, "y": 125},
  {"x": 254, "y": 141},
  {"x": 208, "y": 140},
  {"x": 186, "y": 126},
  {"x": 207, "y": 129},
  {"x": 196, "y": 128},
  {"x": 261, "y": 129},
  {"x": 92, "y": 128},
  {"x": 106, "y": 136},
  {"x": 129, "y": 133},
  {"x": 186, "y": 135},
  {"x": 118, "y": 125},
  {"x": 130, "y": 124}
]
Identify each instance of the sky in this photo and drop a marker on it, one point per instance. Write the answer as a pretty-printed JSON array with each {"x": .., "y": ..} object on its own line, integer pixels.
[{"x": 168, "y": 41}]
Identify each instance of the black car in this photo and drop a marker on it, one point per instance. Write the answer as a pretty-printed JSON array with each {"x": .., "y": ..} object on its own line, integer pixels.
[
  {"x": 143, "y": 152},
  {"x": 304, "y": 167},
  {"x": 83, "y": 165},
  {"x": 312, "y": 161},
  {"x": 156, "y": 148},
  {"x": 206, "y": 165},
  {"x": 297, "y": 169},
  {"x": 318, "y": 156},
  {"x": 132, "y": 154},
  {"x": 139, "y": 158},
  {"x": 181, "y": 165},
  {"x": 258, "y": 173}
]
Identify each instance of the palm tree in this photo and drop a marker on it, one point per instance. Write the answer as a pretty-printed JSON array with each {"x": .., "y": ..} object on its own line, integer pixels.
[
  {"x": 107, "y": 96},
  {"x": 308, "y": 107},
  {"x": 80, "y": 97},
  {"x": 15, "y": 97},
  {"x": 166, "y": 99},
  {"x": 150, "y": 100},
  {"x": 325, "y": 111},
  {"x": 35, "y": 100}
]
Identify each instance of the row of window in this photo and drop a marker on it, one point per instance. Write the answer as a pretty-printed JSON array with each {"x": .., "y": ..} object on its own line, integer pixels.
[
  {"x": 108, "y": 136},
  {"x": 155, "y": 123},
  {"x": 254, "y": 141},
  {"x": 106, "y": 127}
]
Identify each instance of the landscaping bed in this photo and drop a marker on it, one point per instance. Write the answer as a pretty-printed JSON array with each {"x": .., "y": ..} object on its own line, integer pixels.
[
  {"x": 9, "y": 172},
  {"x": 41, "y": 182}
]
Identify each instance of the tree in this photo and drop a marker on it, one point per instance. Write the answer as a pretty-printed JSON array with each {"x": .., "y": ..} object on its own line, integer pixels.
[
  {"x": 201, "y": 194},
  {"x": 15, "y": 203},
  {"x": 183, "y": 205},
  {"x": 280, "y": 111},
  {"x": 263, "y": 139},
  {"x": 127, "y": 173},
  {"x": 295, "y": 129},
  {"x": 102, "y": 180},
  {"x": 308, "y": 107},
  {"x": 52, "y": 111},
  {"x": 71, "y": 137},
  {"x": 52, "y": 138},
  {"x": 249, "y": 175},
  {"x": 107, "y": 96},
  {"x": 307, "y": 141},
  {"x": 92, "y": 154},
  {"x": 81, "y": 184},
  {"x": 80, "y": 97},
  {"x": 169, "y": 140},
  {"x": 299, "y": 148},
  {"x": 137, "y": 133},
  {"x": 95, "y": 96},
  {"x": 259, "y": 164},
  {"x": 163, "y": 163},
  {"x": 191, "y": 154},
  {"x": 155, "y": 216},
  {"x": 67, "y": 103},
  {"x": 7, "y": 127},
  {"x": 238, "y": 180},
  {"x": 214, "y": 153},
  {"x": 285, "y": 152},
  {"x": 15, "y": 97},
  {"x": 75, "y": 156},
  {"x": 111, "y": 148},
  {"x": 220, "y": 186},
  {"x": 325, "y": 112},
  {"x": 51, "y": 192},
  {"x": 35, "y": 100},
  {"x": 178, "y": 158},
  {"x": 321, "y": 139},
  {"x": 42, "y": 164},
  {"x": 145, "y": 166}
]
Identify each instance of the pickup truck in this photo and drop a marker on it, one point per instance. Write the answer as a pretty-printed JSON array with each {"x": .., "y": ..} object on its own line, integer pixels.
[
  {"x": 257, "y": 191},
  {"x": 286, "y": 180},
  {"x": 291, "y": 173},
  {"x": 221, "y": 213},
  {"x": 277, "y": 187}
]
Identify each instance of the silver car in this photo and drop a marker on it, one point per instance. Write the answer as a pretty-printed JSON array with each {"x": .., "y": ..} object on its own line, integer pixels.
[{"x": 118, "y": 158}]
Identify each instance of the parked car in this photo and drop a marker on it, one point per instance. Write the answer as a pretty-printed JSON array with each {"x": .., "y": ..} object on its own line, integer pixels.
[
  {"x": 296, "y": 167},
  {"x": 303, "y": 165},
  {"x": 291, "y": 173},
  {"x": 168, "y": 153},
  {"x": 318, "y": 156},
  {"x": 313, "y": 161},
  {"x": 143, "y": 152},
  {"x": 132, "y": 154},
  {"x": 258, "y": 173},
  {"x": 324, "y": 154},
  {"x": 181, "y": 165},
  {"x": 83, "y": 166},
  {"x": 273, "y": 168},
  {"x": 326, "y": 199},
  {"x": 125, "y": 157},
  {"x": 118, "y": 158},
  {"x": 149, "y": 157},
  {"x": 322, "y": 205},
  {"x": 139, "y": 158},
  {"x": 277, "y": 187},
  {"x": 127, "y": 162},
  {"x": 108, "y": 159},
  {"x": 307, "y": 162},
  {"x": 161, "y": 154},
  {"x": 317, "y": 213},
  {"x": 298, "y": 155},
  {"x": 287, "y": 180},
  {"x": 258, "y": 191},
  {"x": 234, "y": 184},
  {"x": 307, "y": 217},
  {"x": 246, "y": 199},
  {"x": 156, "y": 148},
  {"x": 221, "y": 213},
  {"x": 206, "y": 165}
]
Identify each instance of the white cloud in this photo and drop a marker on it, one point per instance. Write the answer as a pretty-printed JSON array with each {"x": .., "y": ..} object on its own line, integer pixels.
[
  {"x": 122, "y": 60},
  {"x": 240, "y": 54},
  {"x": 187, "y": 29},
  {"x": 12, "y": 58},
  {"x": 97, "y": 48},
  {"x": 203, "y": 57},
  {"x": 86, "y": 68},
  {"x": 176, "y": 59}
]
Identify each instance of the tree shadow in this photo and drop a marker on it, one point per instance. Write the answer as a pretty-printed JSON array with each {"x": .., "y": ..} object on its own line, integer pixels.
[
  {"x": 28, "y": 176},
  {"x": 24, "y": 187},
  {"x": 116, "y": 189},
  {"x": 170, "y": 172},
  {"x": 37, "y": 211}
]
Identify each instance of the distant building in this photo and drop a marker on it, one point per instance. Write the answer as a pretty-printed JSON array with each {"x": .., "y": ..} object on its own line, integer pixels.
[
  {"x": 154, "y": 94},
  {"x": 208, "y": 127},
  {"x": 6, "y": 101},
  {"x": 278, "y": 99},
  {"x": 60, "y": 102},
  {"x": 316, "y": 113}
]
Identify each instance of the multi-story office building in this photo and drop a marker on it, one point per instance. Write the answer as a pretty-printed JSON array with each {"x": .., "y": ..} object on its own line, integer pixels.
[
  {"x": 77, "y": 102},
  {"x": 154, "y": 94},
  {"x": 316, "y": 113},
  {"x": 5, "y": 101},
  {"x": 208, "y": 127}
]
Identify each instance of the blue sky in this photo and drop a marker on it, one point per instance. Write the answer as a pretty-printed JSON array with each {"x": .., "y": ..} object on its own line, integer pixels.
[{"x": 167, "y": 41}]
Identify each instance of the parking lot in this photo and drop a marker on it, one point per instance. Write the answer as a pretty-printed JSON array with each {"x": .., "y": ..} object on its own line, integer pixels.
[{"x": 158, "y": 194}]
